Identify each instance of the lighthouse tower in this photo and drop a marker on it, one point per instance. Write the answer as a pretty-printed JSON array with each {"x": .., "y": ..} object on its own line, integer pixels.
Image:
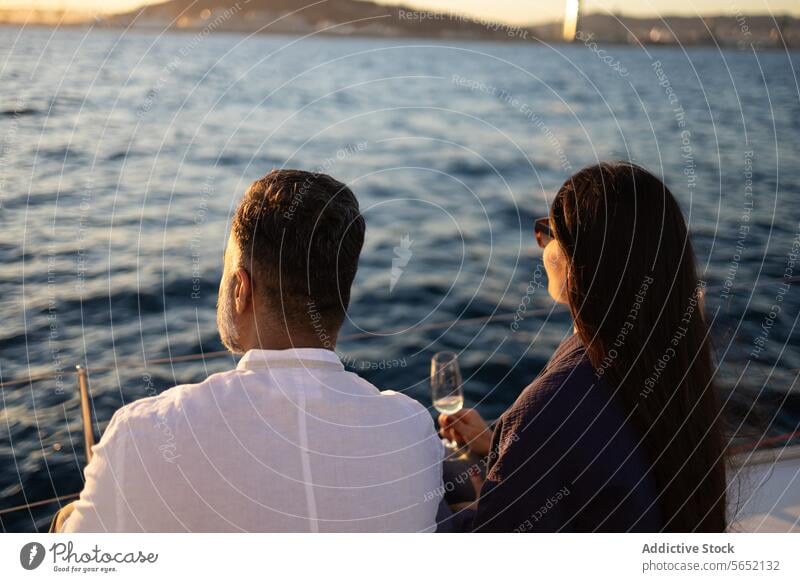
[{"x": 572, "y": 15}]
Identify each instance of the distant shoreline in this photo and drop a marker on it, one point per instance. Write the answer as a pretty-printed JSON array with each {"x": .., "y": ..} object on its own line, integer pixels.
[
  {"x": 367, "y": 19},
  {"x": 531, "y": 41}
]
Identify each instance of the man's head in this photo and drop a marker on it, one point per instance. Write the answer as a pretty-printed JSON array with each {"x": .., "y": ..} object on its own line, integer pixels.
[{"x": 290, "y": 261}]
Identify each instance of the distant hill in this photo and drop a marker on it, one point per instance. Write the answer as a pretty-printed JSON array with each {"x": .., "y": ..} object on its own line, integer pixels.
[
  {"x": 364, "y": 18},
  {"x": 336, "y": 17},
  {"x": 762, "y": 30},
  {"x": 345, "y": 17}
]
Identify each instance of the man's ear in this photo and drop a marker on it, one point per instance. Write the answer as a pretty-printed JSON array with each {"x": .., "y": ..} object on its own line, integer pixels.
[{"x": 243, "y": 291}]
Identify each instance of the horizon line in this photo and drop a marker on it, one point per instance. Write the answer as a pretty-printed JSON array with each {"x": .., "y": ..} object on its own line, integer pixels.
[{"x": 89, "y": 14}]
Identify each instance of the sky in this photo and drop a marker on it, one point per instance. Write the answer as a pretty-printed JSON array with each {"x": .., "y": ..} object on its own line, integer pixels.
[{"x": 514, "y": 11}]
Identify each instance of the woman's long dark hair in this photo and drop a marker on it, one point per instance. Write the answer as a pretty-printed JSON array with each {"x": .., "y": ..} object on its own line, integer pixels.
[{"x": 636, "y": 300}]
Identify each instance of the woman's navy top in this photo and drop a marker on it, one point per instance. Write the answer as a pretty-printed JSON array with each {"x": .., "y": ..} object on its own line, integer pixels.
[{"x": 565, "y": 458}]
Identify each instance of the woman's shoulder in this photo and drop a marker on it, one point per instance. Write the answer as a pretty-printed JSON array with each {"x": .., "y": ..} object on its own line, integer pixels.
[
  {"x": 563, "y": 395},
  {"x": 567, "y": 375}
]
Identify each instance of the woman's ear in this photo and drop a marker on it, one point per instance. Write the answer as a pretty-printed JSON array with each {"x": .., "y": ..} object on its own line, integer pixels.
[
  {"x": 557, "y": 266},
  {"x": 242, "y": 290}
]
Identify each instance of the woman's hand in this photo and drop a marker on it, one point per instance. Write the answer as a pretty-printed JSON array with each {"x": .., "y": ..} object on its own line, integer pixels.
[{"x": 466, "y": 427}]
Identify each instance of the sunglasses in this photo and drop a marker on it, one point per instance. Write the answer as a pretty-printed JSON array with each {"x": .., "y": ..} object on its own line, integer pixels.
[{"x": 542, "y": 231}]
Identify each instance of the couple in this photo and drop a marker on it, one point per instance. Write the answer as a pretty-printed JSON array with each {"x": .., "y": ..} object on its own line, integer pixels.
[{"x": 604, "y": 439}]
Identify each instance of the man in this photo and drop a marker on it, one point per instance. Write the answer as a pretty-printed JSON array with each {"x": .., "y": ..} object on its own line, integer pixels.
[{"x": 288, "y": 441}]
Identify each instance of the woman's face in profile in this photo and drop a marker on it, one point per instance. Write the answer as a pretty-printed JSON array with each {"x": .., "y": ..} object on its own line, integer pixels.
[{"x": 555, "y": 263}]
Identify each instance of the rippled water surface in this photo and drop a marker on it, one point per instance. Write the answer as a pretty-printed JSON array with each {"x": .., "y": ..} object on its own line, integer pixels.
[{"x": 123, "y": 155}]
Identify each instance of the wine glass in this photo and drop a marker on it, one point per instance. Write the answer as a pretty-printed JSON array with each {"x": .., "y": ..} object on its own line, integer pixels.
[{"x": 448, "y": 395}]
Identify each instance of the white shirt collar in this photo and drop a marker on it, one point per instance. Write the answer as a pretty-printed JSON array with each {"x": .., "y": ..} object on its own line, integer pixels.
[{"x": 291, "y": 358}]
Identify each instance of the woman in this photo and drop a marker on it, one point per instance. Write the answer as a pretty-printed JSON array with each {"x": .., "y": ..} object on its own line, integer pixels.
[{"x": 621, "y": 430}]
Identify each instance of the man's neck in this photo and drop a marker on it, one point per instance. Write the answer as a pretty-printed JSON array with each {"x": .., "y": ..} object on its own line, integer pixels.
[{"x": 271, "y": 341}]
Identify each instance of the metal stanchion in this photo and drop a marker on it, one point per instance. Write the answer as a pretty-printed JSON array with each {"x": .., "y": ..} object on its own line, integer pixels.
[{"x": 86, "y": 411}]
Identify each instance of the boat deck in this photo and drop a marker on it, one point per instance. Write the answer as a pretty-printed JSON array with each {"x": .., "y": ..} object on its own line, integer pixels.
[{"x": 767, "y": 487}]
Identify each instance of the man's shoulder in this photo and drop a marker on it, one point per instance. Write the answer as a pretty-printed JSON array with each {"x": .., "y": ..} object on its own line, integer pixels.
[
  {"x": 169, "y": 402},
  {"x": 195, "y": 401},
  {"x": 397, "y": 406},
  {"x": 406, "y": 403}
]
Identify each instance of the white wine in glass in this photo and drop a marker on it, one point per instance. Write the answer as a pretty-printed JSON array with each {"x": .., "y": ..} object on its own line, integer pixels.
[{"x": 446, "y": 389}]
